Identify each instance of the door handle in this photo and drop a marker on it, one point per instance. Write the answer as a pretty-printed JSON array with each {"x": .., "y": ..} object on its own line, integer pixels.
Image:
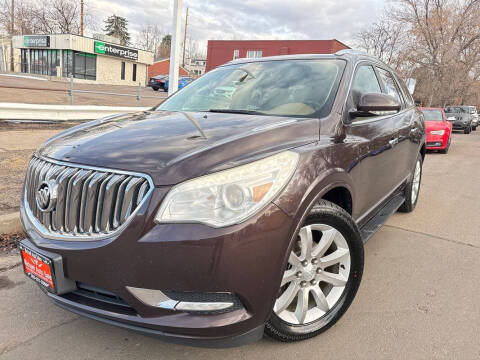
[{"x": 393, "y": 142}]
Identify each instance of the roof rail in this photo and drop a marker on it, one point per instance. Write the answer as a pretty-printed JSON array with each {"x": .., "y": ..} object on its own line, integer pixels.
[{"x": 352, "y": 51}]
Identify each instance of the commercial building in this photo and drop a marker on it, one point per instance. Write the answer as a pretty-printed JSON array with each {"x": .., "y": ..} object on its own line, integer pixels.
[
  {"x": 86, "y": 59},
  {"x": 162, "y": 67},
  {"x": 220, "y": 52},
  {"x": 196, "y": 67}
]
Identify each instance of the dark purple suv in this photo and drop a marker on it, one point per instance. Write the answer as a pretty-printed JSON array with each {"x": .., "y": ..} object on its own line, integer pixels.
[{"x": 237, "y": 207}]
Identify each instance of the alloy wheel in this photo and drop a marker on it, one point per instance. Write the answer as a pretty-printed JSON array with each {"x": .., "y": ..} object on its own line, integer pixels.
[
  {"x": 416, "y": 181},
  {"x": 316, "y": 275}
]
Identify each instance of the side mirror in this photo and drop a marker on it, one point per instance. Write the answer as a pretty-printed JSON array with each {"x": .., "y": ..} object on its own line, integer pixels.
[{"x": 375, "y": 104}]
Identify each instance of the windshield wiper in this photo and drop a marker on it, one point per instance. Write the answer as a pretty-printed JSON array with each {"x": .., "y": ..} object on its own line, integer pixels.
[{"x": 234, "y": 111}]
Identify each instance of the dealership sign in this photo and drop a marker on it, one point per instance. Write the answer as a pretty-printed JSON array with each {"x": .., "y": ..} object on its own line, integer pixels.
[
  {"x": 114, "y": 50},
  {"x": 36, "y": 41}
]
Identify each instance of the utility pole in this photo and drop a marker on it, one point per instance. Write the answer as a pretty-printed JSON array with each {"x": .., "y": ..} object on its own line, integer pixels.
[
  {"x": 81, "y": 17},
  {"x": 175, "y": 47},
  {"x": 12, "y": 31},
  {"x": 185, "y": 38}
]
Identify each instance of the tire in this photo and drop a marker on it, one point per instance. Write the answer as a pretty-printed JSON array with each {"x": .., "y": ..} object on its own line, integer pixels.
[
  {"x": 445, "y": 151},
  {"x": 347, "y": 241},
  {"x": 411, "y": 196},
  {"x": 155, "y": 89},
  {"x": 474, "y": 128},
  {"x": 467, "y": 130}
]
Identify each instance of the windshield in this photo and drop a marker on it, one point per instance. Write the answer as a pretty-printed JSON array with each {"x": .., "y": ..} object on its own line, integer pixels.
[
  {"x": 473, "y": 110},
  {"x": 432, "y": 115},
  {"x": 454, "y": 109},
  {"x": 285, "y": 88}
]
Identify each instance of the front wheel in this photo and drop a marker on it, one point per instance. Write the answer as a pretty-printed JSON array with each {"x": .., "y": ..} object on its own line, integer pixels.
[
  {"x": 323, "y": 274},
  {"x": 467, "y": 130},
  {"x": 474, "y": 128},
  {"x": 413, "y": 188}
]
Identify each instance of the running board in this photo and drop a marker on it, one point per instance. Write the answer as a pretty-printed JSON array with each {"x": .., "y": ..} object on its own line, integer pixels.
[{"x": 375, "y": 223}]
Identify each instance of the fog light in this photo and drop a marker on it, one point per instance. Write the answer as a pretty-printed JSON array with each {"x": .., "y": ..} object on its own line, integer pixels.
[
  {"x": 202, "y": 306},
  {"x": 157, "y": 298}
]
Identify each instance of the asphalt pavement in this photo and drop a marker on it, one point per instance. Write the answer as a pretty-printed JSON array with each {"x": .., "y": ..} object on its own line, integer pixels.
[{"x": 418, "y": 298}]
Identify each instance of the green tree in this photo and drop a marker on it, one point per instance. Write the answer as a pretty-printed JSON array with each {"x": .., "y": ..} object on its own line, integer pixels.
[
  {"x": 117, "y": 26},
  {"x": 165, "y": 45}
]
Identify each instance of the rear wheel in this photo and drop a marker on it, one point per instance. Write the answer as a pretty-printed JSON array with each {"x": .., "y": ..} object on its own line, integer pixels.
[
  {"x": 474, "y": 128},
  {"x": 322, "y": 276},
  {"x": 413, "y": 188}
]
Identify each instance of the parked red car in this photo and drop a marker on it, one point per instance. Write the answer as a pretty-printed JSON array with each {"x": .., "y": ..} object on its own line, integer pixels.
[{"x": 439, "y": 130}]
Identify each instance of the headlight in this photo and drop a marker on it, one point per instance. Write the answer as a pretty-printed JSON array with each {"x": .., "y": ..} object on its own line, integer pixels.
[
  {"x": 231, "y": 196},
  {"x": 437, "y": 132}
]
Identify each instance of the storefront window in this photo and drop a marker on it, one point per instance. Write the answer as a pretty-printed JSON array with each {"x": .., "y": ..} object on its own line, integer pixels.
[
  {"x": 67, "y": 63},
  {"x": 24, "y": 60},
  {"x": 80, "y": 65},
  {"x": 43, "y": 62}
]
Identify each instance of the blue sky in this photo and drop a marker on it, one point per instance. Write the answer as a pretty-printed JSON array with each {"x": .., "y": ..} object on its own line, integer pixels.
[{"x": 250, "y": 19}]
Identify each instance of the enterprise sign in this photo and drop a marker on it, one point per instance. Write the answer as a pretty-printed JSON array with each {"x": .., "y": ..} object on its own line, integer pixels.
[
  {"x": 115, "y": 50},
  {"x": 36, "y": 41}
]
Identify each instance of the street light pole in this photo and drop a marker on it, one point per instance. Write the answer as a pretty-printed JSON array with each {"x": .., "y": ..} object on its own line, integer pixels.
[
  {"x": 12, "y": 31},
  {"x": 175, "y": 47},
  {"x": 185, "y": 38}
]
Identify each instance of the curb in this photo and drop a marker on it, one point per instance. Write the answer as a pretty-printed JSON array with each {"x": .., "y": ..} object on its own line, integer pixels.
[{"x": 10, "y": 223}]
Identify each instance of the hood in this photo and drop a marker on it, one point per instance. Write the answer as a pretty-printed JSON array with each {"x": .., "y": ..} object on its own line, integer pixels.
[
  {"x": 173, "y": 146},
  {"x": 435, "y": 125}
]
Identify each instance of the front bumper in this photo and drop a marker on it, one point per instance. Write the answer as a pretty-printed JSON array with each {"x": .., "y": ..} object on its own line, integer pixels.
[
  {"x": 243, "y": 260},
  {"x": 460, "y": 126},
  {"x": 437, "y": 142}
]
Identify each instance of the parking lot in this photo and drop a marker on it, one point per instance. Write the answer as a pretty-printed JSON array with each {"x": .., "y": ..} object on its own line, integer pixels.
[{"x": 418, "y": 298}]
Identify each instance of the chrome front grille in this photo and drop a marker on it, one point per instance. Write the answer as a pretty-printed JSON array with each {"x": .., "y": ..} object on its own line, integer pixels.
[{"x": 90, "y": 202}]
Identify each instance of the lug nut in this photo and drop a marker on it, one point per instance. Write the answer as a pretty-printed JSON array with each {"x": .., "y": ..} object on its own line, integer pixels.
[
  {"x": 298, "y": 274},
  {"x": 314, "y": 261},
  {"x": 304, "y": 263},
  {"x": 313, "y": 282},
  {"x": 303, "y": 284},
  {"x": 319, "y": 271}
]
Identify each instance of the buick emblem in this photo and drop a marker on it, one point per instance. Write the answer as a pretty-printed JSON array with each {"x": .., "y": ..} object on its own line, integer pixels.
[{"x": 46, "y": 196}]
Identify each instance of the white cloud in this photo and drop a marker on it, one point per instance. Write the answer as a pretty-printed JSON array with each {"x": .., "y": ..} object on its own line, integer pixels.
[{"x": 250, "y": 19}]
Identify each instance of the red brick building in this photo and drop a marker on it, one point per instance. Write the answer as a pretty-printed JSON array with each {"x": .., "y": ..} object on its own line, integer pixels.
[
  {"x": 162, "y": 67},
  {"x": 220, "y": 52}
]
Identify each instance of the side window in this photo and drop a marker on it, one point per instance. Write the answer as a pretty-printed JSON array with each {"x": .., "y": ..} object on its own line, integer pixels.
[
  {"x": 365, "y": 81},
  {"x": 390, "y": 84}
]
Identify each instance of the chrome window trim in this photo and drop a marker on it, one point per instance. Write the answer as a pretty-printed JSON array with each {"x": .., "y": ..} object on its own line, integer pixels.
[{"x": 44, "y": 232}]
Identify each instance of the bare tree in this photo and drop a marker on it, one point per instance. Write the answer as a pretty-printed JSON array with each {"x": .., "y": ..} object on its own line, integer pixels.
[
  {"x": 435, "y": 41},
  {"x": 150, "y": 38},
  {"x": 47, "y": 16}
]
